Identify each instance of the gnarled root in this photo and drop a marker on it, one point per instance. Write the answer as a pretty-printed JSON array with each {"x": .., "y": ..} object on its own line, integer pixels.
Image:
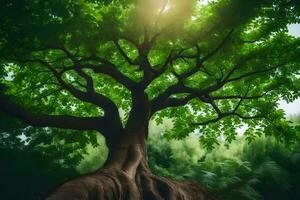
[
  {"x": 126, "y": 176},
  {"x": 160, "y": 188},
  {"x": 110, "y": 185},
  {"x": 117, "y": 185}
]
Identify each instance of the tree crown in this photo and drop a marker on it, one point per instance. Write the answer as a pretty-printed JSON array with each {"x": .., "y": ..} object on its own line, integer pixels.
[{"x": 210, "y": 67}]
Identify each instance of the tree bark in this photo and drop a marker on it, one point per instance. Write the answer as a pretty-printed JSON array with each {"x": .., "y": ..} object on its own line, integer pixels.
[{"x": 126, "y": 176}]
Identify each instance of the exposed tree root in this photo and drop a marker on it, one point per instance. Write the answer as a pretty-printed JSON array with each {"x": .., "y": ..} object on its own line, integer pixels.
[
  {"x": 126, "y": 176},
  {"x": 118, "y": 185},
  {"x": 160, "y": 188}
]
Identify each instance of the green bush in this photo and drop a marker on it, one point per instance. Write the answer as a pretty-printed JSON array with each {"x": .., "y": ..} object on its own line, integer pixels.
[{"x": 263, "y": 169}]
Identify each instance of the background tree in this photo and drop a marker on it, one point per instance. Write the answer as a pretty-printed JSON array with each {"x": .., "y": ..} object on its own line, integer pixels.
[
  {"x": 263, "y": 169},
  {"x": 34, "y": 160},
  {"x": 112, "y": 66}
]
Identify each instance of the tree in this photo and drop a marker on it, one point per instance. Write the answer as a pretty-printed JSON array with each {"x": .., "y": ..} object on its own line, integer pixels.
[{"x": 111, "y": 66}]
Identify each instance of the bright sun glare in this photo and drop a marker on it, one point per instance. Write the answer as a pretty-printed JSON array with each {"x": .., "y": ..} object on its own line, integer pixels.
[{"x": 167, "y": 7}]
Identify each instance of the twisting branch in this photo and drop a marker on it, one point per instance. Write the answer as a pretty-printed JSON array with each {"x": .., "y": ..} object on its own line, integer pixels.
[
  {"x": 129, "y": 39},
  {"x": 216, "y": 108},
  {"x": 221, "y": 114},
  {"x": 166, "y": 63},
  {"x": 172, "y": 57},
  {"x": 196, "y": 68},
  {"x": 164, "y": 100},
  {"x": 211, "y": 101},
  {"x": 108, "y": 123},
  {"x": 228, "y": 78},
  {"x": 172, "y": 102},
  {"x": 180, "y": 88},
  {"x": 143, "y": 62},
  {"x": 108, "y": 68},
  {"x": 68, "y": 54},
  {"x": 91, "y": 97},
  {"x": 199, "y": 62},
  {"x": 159, "y": 102},
  {"x": 58, "y": 121},
  {"x": 125, "y": 56},
  {"x": 89, "y": 80},
  {"x": 105, "y": 67},
  {"x": 115, "y": 74}
]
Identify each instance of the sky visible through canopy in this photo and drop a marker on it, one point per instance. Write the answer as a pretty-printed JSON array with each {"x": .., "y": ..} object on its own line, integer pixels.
[
  {"x": 292, "y": 108},
  {"x": 289, "y": 108}
]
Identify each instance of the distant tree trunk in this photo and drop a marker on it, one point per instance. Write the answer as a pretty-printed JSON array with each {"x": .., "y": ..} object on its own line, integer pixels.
[{"x": 126, "y": 176}]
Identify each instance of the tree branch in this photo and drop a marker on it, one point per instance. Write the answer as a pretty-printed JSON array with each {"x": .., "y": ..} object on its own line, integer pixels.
[
  {"x": 125, "y": 56},
  {"x": 97, "y": 99},
  {"x": 222, "y": 43},
  {"x": 172, "y": 102},
  {"x": 106, "y": 67},
  {"x": 89, "y": 80},
  {"x": 180, "y": 88},
  {"x": 111, "y": 71},
  {"x": 158, "y": 102},
  {"x": 57, "y": 121},
  {"x": 238, "y": 96},
  {"x": 226, "y": 115}
]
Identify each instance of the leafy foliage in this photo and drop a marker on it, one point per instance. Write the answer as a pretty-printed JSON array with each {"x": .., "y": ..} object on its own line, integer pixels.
[
  {"x": 263, "y": 169},
  {"x": 35, "y": 160},
  {"x": 224, "y": 61},
  {"x": 208, "y": 68}
]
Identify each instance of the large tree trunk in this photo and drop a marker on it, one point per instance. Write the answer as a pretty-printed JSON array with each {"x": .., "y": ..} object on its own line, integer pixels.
[{"x": 126, "y": 176}]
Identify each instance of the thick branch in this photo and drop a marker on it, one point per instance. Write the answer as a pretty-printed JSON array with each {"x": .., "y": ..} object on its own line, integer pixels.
[
  {"x": 143, "y": 61},
  {"x": 198, "y": 65},
  {"x": 125, "y": 56},
  {"x": 89, "y": 80},
  {"x": 106, "y": 67},
  {"x": 111, "y": 71},
  {"x": 160, "y": 101},
  {"x": 172, "y": 102},
  {"x": 91, "y": 97},
  {"x": 57, "y": 121}
]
